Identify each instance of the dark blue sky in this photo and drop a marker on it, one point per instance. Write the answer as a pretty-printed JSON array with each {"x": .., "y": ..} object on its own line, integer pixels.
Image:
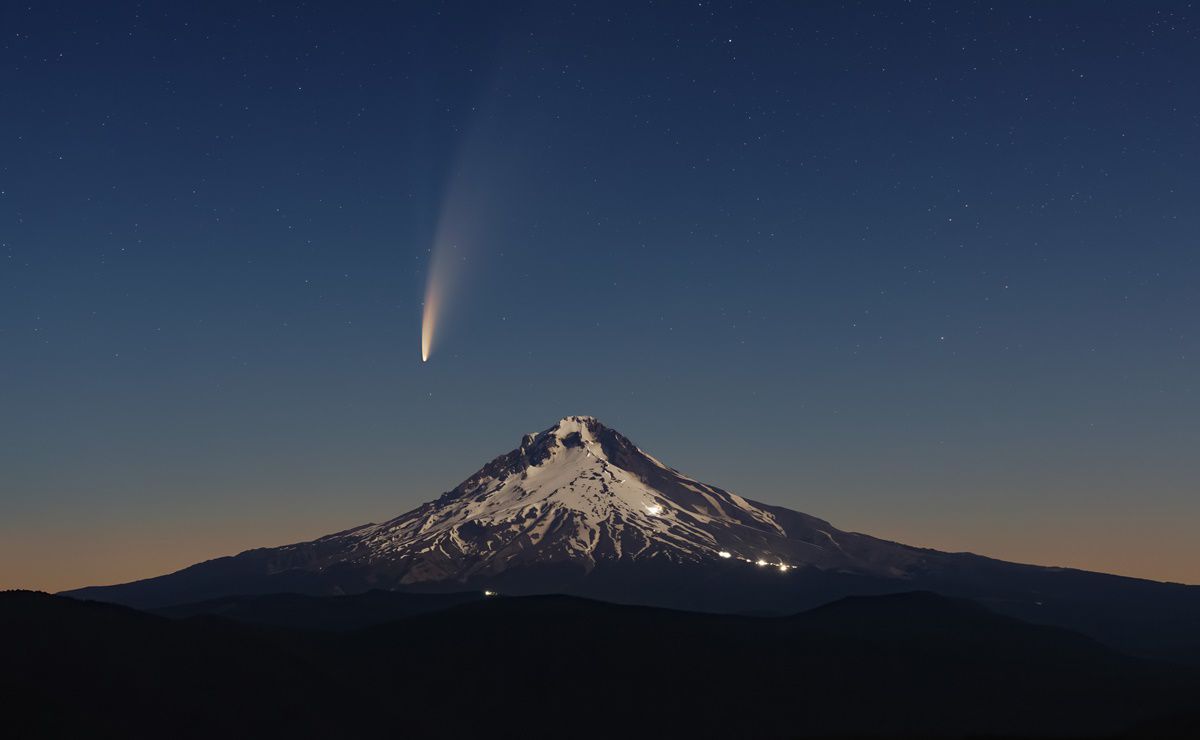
[{"x": 928, "y": 270}]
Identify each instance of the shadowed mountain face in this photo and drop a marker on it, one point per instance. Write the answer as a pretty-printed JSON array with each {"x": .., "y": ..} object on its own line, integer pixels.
[
  {"x": 580, "y": 509},
  {"x": 913, "y": 664}
]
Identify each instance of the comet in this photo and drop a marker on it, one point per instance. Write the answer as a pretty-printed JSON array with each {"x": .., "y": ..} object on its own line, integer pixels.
[
  {"x": 444, "y": 272},
  {"x": 429, "y": 316},
  {"x": 457, "y": 237},
  {"x": 469, "y": 221},
  {"x": 456, "y": 240}
]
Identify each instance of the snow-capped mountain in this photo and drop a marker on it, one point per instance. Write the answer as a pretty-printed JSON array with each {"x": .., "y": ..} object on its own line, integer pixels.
[
  {"x": 566, "y": 510},
  {"x": 579, "y": 509},
  {"x": 580, "y": 493}
]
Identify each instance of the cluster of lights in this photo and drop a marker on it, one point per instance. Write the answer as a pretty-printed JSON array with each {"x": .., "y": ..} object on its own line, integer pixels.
[{"x": 783, "y": 567}]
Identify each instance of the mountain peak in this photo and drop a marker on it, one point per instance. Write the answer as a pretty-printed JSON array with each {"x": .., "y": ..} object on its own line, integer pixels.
[
  {"x": 577, "y": 420},
  {"x": 584, "y": 427}
]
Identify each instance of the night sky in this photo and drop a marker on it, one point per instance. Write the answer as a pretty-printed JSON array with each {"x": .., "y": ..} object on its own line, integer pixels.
[{"x": 927, "y": 270}]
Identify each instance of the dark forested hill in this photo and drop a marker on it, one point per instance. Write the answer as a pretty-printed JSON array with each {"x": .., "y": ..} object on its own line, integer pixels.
[{"x": 911, "y": 664}]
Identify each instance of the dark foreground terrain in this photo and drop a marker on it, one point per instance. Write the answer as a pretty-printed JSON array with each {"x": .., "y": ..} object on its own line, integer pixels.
[{"x": 410, "y": 665}]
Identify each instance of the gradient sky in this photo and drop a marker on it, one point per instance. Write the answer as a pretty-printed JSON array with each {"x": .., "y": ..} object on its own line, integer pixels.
[{"x": 927, "y": 270}]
